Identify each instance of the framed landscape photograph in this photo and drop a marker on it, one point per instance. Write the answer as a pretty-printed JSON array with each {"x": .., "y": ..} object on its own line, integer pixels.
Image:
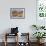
[{"x": 17, "y": 13}]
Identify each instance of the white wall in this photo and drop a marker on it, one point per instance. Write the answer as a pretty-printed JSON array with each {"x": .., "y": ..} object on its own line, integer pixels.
[{"x": 23, "y": 24}]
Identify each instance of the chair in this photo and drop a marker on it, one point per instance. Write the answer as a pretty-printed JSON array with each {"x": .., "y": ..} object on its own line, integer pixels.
[
  {"x": 26, "y": 41},
  {"x": 14, "y": 32}
]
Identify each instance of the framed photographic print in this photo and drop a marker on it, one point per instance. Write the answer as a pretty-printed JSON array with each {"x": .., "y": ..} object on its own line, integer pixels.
[
  {"x": 41, "y": 8},
  {"x": 41, "y": 12},
  {"x": 17, "y": 13}
]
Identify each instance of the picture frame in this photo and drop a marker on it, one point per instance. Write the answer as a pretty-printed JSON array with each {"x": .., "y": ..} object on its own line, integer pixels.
[
  {"x": 17, "y": 13},
  {"x": 41, "y": 8},
  {"x": 40, "y": 12}
]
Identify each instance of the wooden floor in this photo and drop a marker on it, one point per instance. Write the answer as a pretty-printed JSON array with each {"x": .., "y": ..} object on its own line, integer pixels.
[{"x": 13, "y": 44}]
